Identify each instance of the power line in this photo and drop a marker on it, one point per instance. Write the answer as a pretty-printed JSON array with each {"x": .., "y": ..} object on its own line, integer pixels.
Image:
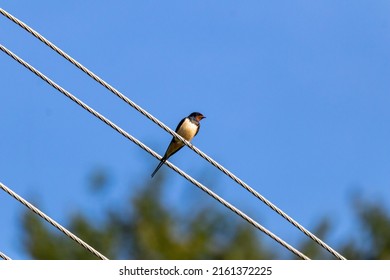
[
  {"x": 51, "y": 221},
  {"x": 153, "y": 153},
  {"x": 4, "y": 256},
  {"x": 173, "y": 133}
]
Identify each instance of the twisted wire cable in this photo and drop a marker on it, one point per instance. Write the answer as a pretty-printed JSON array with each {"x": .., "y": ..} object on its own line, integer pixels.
[
  {"x": 51, "y": 221},
  {"x": 173, "y": 133},
  {"x": 153, "y": 153},
  {"x": 4, "y": 256}
]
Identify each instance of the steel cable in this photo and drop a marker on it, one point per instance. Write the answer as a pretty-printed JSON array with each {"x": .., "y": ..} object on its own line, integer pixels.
[{"x": 150, "y": 151}]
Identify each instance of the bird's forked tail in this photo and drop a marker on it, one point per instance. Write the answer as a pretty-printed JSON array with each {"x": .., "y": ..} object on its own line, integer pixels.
[{"x": 159, "y": 165}]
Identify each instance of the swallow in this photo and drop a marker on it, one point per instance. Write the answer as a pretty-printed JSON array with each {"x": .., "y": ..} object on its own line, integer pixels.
[{"x": 187, "y": 128}]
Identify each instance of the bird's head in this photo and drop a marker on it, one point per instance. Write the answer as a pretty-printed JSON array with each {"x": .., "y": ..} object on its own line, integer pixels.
[{"x": 197, "y": 116}]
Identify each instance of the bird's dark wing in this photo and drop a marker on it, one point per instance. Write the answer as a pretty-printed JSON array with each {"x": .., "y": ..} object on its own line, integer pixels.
[
  {"x": 179, "y": 125},
  {"x": 197, "y": 130}
]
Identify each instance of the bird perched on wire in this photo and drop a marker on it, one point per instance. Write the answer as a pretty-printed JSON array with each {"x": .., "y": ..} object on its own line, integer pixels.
[{"x": 187, "y": 128}]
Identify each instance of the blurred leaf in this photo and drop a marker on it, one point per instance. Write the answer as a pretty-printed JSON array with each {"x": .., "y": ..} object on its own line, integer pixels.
[{"x": 146, "y": 228}]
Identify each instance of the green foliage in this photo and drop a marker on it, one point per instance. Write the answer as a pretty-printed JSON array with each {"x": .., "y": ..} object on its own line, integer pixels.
[
  {"x": 312, "y": 249},
  {"x": 373, "y": 242},
  {"x": 147, "y": 228},
  {"x": 44, "y": 242}
]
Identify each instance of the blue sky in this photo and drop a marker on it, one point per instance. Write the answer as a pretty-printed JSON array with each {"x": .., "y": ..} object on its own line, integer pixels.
[{"x": 296, "y": 95}]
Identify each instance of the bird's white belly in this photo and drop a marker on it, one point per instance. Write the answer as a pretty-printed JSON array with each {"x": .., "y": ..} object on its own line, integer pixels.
[{"x": 188, "y": 130}]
